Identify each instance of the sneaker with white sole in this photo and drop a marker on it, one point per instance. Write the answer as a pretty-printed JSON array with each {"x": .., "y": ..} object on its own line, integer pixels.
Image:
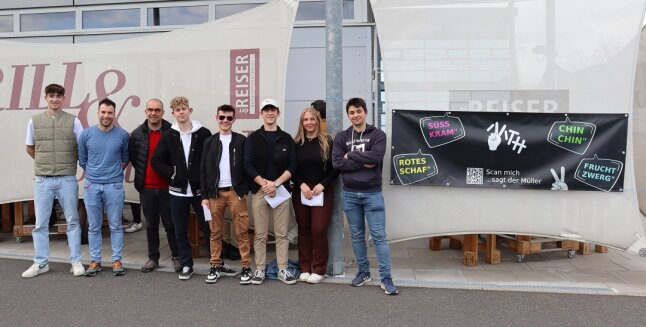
[
  {"x": 186, "y": 273},
  {"x": 315, "y": 279},
  {"x": 258, "y": 277},
  {"x": 117, "y": 268},
  {"x": 93, "y": 269},
  {"x": 214, "y": 274},
  {"x": 133, "y": 227},
  {"x": 388, "y": 286},
  {"x": 286, "y": 276},
  {"x": 361, "y": 278},
  {"x": 77, "y": 269},
  {"x": 35, "y": 270},
  {"x": 303, "y": 277},
  {"x": 225, "y": 270},
  {"x": 245, "y": 276}
]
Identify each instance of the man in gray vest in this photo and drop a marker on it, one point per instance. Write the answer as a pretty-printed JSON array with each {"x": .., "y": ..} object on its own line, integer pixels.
[{"x": 52, "y": 138}]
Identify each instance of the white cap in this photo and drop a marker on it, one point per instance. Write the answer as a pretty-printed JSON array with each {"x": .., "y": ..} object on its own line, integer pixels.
[{"x": 269, "y": 102}]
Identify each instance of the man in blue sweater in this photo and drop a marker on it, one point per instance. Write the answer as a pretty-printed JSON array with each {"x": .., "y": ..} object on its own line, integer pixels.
[
  {"x": 103, "y": 153},
  {"x": 358, "y": 152}
]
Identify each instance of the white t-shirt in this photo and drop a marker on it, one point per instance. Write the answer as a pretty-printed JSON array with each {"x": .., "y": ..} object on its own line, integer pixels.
[
  {"x": 78, "y": 128},
  {"x": 225, "y": 166},
  {"x": 186, "y": 144}
]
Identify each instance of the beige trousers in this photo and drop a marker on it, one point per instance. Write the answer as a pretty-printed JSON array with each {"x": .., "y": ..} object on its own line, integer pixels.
[{"x": 261, "y": 212}]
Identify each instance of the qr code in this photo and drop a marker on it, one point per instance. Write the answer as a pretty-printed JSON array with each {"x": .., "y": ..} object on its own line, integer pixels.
[{"x": 474, "y": 176}]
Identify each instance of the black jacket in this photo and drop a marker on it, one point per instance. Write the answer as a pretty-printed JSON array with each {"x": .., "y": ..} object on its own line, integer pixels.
[
  {"x": 210, "y": 167},
  {"x": 260, "y": 155},
  {"x": 138, "y": 151},
  {"x": 168, "y": 159}
]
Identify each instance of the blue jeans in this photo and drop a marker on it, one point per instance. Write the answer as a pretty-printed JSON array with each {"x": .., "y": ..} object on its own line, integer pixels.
[
  {"x": 358, "y": 205},
  {"x": 66, "y": 190},
  {"x": 109, "y": 197}
]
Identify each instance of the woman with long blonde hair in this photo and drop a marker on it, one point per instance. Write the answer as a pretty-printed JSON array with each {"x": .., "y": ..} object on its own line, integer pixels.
[{"x": 314, "y": 177}]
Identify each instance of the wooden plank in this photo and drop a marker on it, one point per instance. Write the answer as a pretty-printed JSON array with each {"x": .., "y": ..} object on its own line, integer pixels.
[
  {"x": 492, "y": 254},
  {"x": 18, "y": 219},
  {"x": 584, "y": 248},
  {"x": 435, "y": 243},
  {"x": 600, "y": 249},
  {"x": 470, "y": 245},
  {"x": 455, "y": 243}
]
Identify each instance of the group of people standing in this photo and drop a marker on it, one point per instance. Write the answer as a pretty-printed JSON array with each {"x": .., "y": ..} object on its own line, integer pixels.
[{"x": 182, "y": 165}]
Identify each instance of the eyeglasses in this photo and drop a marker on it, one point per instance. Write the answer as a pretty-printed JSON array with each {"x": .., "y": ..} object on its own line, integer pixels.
[
  {"x": 156, "y": 110},
  {"x": 222, "y": 117}
]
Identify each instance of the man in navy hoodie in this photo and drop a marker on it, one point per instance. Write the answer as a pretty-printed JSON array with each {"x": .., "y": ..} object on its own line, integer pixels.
[{"x": 358, "y": 152}]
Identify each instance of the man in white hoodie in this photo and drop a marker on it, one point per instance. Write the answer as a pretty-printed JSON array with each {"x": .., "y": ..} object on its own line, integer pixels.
[{"x": 177, "y": 158}]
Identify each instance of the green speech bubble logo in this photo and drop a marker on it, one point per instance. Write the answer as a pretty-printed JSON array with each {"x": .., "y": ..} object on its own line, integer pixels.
[
  {"x": 414, "y": 167},
  {"x": 573, "y": 136}
]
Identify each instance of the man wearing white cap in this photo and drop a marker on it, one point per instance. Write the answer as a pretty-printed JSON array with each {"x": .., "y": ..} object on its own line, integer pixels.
[{"x": 270, "y": 160}]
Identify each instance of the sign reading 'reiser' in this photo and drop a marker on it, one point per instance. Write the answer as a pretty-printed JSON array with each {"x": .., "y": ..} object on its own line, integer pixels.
[{"x": 509, "y": 150}]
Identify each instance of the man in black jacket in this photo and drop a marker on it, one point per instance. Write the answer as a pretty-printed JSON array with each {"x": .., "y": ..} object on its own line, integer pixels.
[
  {"x": 177, "y": 158},
  {"x": 225, "y": 184},
  {"x": 270, "y": 160},
  {"x": 152, "y": 188}
]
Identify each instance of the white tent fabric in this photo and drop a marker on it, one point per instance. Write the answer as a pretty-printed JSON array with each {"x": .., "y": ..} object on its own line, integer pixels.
[
  {"x": 476, "y": 55},
  {"x": 207, "y": 63}
]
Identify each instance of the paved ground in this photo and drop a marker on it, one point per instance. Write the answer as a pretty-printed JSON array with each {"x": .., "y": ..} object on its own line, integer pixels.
[
  {"x": 159, "y": 298},
  {"x": 414, "y": 264}
]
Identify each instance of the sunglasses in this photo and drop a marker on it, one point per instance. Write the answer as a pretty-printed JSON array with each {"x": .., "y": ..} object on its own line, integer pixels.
[{"x": 222, "y": 117}]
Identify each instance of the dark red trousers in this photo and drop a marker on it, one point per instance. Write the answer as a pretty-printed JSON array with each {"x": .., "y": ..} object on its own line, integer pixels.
[{"x": 313, "y": 223}]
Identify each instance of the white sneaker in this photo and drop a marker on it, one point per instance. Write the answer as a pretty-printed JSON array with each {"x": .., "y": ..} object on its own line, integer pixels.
[
  {"x": 315, "y": 279},
  {"x": 35, "y": 270},
  {"x": 77, "y": 269},
  {"x": 303, "y": 277},
  {"x": 133, "y": 227}
]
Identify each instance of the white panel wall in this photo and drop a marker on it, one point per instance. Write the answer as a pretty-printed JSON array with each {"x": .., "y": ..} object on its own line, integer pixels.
[{"x": 306, "y": 70}]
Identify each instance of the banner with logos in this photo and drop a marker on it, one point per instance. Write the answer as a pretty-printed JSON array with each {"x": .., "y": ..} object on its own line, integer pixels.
[
  {"x": 237, "y": 60},
  {"x": 512, "y": 57},
  {"x": 509, "y": 150}
]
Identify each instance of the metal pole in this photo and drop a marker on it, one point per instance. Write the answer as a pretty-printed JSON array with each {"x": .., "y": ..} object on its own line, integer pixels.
[{"x": 334, "y": 112}]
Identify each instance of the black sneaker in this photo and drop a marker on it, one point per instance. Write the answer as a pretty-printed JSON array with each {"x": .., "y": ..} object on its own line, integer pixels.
[
  {"x": 177, "y": 266},
  {"x": 258, "y": 277},
  {"x": 286, "y": 276},
  {"x": 225, "y": 270},
  {"x": 186, "y": 273},
  {"x": 214, "y": 274},
  {"x": 245, "y": 276}
]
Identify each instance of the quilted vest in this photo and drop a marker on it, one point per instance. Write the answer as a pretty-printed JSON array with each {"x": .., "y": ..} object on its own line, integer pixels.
[{"x": 55, "y": 144}]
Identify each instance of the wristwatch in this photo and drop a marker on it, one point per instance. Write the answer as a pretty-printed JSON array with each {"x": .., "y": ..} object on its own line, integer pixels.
[{"x": 277, "y": 184}]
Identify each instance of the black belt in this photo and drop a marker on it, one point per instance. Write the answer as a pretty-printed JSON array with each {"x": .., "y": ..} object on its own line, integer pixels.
[
  {"x": 224, "y": 189},
  {"x": 52, "y": 176}
]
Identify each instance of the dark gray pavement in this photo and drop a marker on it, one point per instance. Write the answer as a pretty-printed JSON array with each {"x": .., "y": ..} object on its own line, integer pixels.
[{"x": 57, "y": 298}]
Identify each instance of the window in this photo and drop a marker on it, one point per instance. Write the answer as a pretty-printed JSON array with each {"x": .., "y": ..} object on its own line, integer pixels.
[
  {"x": 178, "y": 15},
  {"x": 222, "y": 11},
  {"x": 315, "y": 10},
  {"x": 111, "y": 18},
  {"x": 48, "y": 21},
  {"x": 6, "y": 23}
]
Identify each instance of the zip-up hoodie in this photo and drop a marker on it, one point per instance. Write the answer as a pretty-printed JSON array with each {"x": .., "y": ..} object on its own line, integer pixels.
[
  {"x": 367, "y": 147},
  {"x": 179, "y": 165}
]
